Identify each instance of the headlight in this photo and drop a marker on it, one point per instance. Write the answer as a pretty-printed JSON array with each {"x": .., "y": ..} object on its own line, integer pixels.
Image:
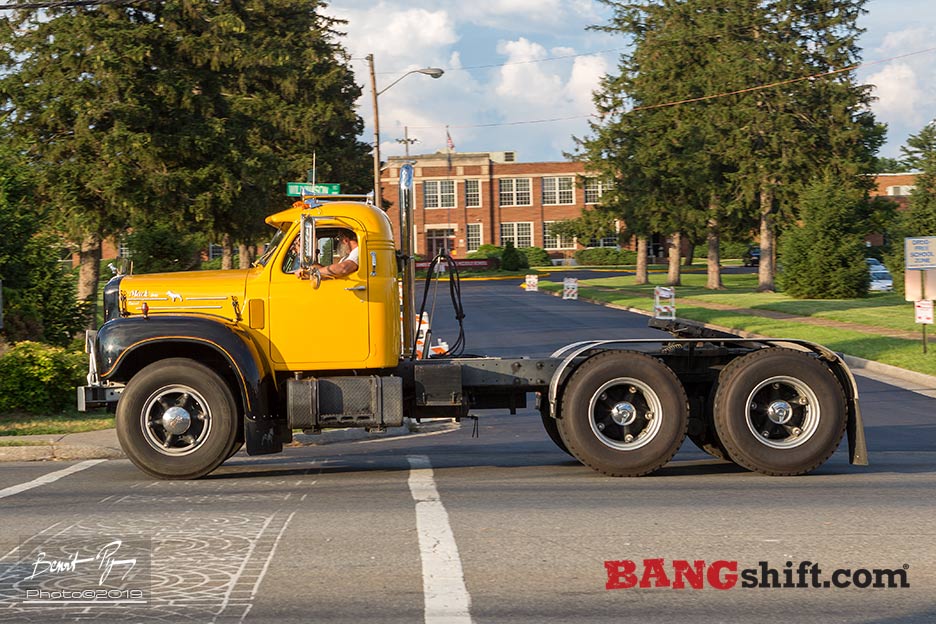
[{"x": 112, "y": 298}]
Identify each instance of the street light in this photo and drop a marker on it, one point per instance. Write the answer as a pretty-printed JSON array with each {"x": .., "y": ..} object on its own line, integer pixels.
[{"x": 432, "y": 72}]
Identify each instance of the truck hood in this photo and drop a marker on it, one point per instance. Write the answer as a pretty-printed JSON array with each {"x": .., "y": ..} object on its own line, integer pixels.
[{"x": 199, "y": 292}]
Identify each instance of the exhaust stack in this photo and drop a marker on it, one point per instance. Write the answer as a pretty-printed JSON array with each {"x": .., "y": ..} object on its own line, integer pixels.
[{"x": 407, "y": 197}]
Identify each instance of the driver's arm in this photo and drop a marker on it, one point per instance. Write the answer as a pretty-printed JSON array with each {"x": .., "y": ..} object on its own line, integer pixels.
[{"x": 339, "y": 269}]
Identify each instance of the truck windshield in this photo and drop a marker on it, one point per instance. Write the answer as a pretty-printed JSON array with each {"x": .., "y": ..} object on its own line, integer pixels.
[{"x": 270, "y": 249}]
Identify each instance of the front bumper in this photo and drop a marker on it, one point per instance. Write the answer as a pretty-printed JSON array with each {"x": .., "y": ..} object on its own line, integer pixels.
[
  {"x": 93, "y": 397},
  {"x": 96, "y": 394}
]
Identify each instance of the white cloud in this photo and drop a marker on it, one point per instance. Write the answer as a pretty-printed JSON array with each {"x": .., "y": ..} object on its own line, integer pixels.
[
  {"x": 522, "y": 81},
  {"x": 898, "y": 92},
  {"x": 906, "y": 86},
  {"x": 393, "y": 33},
  {"x": 586, "y": 74},
  {"x": 444, "y": 33},
  {"x": 504, "y": 14}
]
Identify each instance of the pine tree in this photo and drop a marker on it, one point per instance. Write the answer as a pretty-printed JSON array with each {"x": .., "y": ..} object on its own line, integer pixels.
[
  {"x": 824, "y": 257},
  {"x": 920, "y": 217},
  {"x": 69, "y": 89},
  {"x": 718, "y": 162},
  {"x": 182, "y": 112}
]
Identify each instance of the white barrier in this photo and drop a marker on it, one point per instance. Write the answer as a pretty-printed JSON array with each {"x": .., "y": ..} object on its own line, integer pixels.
[
  {"x": 664, "y": 303},
  {"x": 570, "y": 288}
]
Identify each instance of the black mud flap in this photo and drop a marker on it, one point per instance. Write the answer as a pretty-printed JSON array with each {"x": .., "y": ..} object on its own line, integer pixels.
[
  {"x": 265, "y": 436},
  {"x": 857, "y": 446}
]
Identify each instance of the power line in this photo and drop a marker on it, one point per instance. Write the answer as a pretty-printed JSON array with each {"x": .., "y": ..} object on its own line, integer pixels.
[
  {"x": 508, "y": 63},
  {"x": 700, "y": 98},
  {"x": 61, "y": 4}
]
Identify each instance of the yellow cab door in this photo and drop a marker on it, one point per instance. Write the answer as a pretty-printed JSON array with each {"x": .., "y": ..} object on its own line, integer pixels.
[{"x": 325, "y": 327}]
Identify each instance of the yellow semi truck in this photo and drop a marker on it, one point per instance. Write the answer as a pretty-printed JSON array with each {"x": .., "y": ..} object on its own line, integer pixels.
[{"x": 200, "y": 364}]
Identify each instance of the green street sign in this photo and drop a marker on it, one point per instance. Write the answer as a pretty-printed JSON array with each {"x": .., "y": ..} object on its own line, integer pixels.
[{"x": 298, "y": 189}]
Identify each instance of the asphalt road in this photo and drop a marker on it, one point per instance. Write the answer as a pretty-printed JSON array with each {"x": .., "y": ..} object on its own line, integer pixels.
[{"x": 503, "y": 527}]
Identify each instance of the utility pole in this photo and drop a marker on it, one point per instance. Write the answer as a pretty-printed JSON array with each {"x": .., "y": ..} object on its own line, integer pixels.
[
  {"x": 406, "y": 141},
  {"x": 378, "y": 200}
]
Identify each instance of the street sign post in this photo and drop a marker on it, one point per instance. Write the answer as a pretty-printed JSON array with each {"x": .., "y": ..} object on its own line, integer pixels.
[
  {"x": 924, "y": 316},
  {"x": 300, "y": 189},
  {"x": 924, "y": 311},
  {"x": 920, "y": 260}
]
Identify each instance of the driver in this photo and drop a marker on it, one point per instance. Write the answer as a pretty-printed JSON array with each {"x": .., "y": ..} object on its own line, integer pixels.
[{"x": 347, "y": 253}]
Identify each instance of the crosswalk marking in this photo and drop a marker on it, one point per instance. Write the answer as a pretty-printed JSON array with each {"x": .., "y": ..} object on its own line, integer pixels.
[
  {"x": 445, "y": 595},
  {"x": 49, "y": 478}
]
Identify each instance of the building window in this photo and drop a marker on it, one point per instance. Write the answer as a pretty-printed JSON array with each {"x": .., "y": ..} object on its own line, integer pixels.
[
  {"x": 519, "y": 233},
  {"x": 474, "y": 236},
  {"x": 607, "y": 241},
  {"x": 515, "y": 192},
  {"x": 123, "y": 250},
  {"x": 439, "y": 193},
  {"x": 473, "y": 193},
  {"x": 439, "y": 240},
  {"x": 556, "y": 241},
  {"x": 594, "y": 189},
  {"x": 214, "y": 251},
  {"x": 559, "y": 190},
  {"x": 899, "y": 191}
]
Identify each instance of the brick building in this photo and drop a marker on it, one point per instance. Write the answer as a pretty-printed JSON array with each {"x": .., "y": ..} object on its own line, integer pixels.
[
  {"x": 489, "y": 198},
  {"x": 896, "y": 186},
  {"x": 471, "y": 199}
]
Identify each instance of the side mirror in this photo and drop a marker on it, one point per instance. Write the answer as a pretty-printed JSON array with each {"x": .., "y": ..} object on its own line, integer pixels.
[{"x": 307, "y": 242}]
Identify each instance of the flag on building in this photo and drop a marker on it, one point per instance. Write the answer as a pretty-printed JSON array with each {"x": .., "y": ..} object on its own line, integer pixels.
[{"x": 449, "y": 145}]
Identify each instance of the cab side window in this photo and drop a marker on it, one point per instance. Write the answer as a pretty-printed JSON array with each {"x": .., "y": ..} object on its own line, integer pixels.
[{"x": 326, "y": 247}]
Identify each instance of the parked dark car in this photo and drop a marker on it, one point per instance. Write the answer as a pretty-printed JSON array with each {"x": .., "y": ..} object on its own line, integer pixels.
[{"x": 751, "y": 257}]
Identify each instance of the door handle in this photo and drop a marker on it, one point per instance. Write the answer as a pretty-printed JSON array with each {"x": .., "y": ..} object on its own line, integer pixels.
[{"x": 360, "y": 287}]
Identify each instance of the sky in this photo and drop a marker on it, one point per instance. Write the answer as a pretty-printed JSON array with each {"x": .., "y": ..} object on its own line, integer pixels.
[{"x": 519, "y": 74}]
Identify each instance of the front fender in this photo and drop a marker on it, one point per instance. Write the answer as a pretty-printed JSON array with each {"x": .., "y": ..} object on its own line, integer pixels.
[{"x": 125, "y": 345}]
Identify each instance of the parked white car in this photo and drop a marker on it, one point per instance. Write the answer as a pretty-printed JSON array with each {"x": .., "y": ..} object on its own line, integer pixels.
[{"x": 881, "y": 280}]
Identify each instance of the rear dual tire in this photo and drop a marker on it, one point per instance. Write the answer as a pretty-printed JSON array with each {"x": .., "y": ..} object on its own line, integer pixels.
[
  {"x": 779, "y": 411},
  {"x": 623, "y": 414}
]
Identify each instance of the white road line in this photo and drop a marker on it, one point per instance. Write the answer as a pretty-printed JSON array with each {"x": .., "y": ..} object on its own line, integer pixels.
[
  {"x": 445, "y": 595},
  {"x": 49, "y": 478},
  {"x": 243, "y": 566},
  {"x": 266, "y": 564}
]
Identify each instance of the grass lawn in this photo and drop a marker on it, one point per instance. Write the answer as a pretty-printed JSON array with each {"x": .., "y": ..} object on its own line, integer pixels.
[{"x": 68, "y": 422}]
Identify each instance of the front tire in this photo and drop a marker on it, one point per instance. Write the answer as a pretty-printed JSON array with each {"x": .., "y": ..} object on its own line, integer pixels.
[
  {"x": 177, "y": 419},
  {"x": 624, "y": 413},
  {"x": 779, "y": 411}
]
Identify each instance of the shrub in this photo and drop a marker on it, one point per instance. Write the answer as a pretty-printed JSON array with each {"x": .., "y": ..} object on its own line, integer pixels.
[
  {"x": 487, "y": 251},
  {"x": 824, "y": 257},
  {"x": 602, "y": 256},
  {"x": 512, "y": 259},
  {"x": 536, "y": 256},
  {"x": 37, "y": 378}
]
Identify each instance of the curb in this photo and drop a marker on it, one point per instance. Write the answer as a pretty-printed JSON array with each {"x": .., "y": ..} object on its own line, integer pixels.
[
  {"x": 50, "y": 450},
  {"x": 857, "y": 364},
  {"x": 57, "y": 452}
]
